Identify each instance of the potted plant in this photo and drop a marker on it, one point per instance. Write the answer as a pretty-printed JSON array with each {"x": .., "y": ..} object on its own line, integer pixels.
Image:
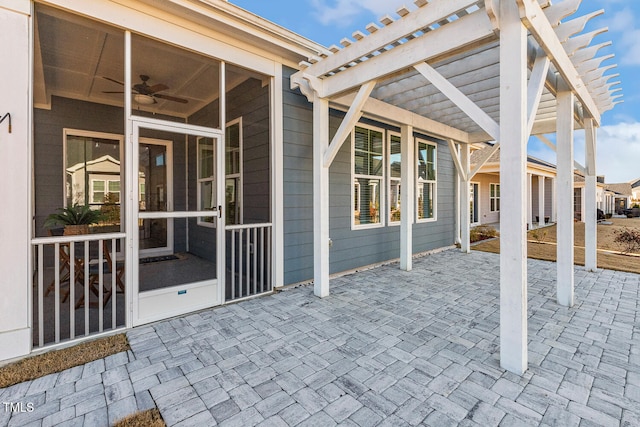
[{"x": 75, "y": 219}]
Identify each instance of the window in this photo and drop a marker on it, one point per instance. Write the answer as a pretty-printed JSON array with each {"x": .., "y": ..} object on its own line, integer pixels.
[
  {"x": 233, "y": 175},
  {"x": 427, "y": 175},
  {"x": 394, "y": 178},
  {"x": 233, "y": 172},
  {"x": 494, "y": 194},
  {"x": 206, "y": 178},
  {"x": 92, "y": 168},
  {"x": 368, "y": 176}
]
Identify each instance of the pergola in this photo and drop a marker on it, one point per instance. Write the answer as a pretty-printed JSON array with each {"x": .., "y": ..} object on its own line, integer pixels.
[{"x": 471, "y": 71}]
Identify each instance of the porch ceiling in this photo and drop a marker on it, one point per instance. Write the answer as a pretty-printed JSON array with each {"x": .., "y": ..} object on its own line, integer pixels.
[
  {"x": 82, "y": 59},
  {"x": 458, "y": 39}
]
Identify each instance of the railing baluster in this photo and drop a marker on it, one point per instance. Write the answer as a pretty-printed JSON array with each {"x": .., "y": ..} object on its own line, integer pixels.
[
  {"x": 100, "y": 286},
  {"x": 240, "y": 265},
  {"x": 255, "y": 260},
  {"x": 270, "y": 284},
  {"x": 72, "y": 289},
  {"x": 233, "y": 264},
  {"x": 40, "y": 295},
  {"x": 261, "y": 259},
  {"x": 86, "y": 288},
  {"x": 56, "y": 299},
  {"x": 114, "y": 289}
]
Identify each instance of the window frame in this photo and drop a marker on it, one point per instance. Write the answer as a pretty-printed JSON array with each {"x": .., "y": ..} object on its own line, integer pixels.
[
  {"x": 496, "y": 197},
  {"x": 418, "y": 181},
  {"x": 382, "y": 178},
  {"x": 390, "y": 135},
  {"x": 80, "y": 133},
  {"x": 238, "y": 175}
]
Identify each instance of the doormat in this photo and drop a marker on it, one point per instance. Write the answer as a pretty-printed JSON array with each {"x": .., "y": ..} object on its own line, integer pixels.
[{"x": 158, "y": 259}]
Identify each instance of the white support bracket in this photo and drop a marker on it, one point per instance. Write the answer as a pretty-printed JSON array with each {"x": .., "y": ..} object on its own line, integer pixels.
[
  {"x": 536, "y": 86},
  {"x": 350, "y": 119},
  {"x": 474, "y": 112},
  {"x": 462, "y": 173},
  {"x": 484, "y": 158}
]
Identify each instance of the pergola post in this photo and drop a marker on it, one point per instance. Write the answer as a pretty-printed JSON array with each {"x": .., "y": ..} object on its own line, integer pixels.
[
  {"x": 565, "y": 234},
  {"x": 529, "y": 201},
  {"x": 407, "y": 174},
  {"x": 321, "y": 238},
  {"x": 554, "y": 201},
  {"x": 513, "y": 181},
  {"x": 590, "y": 218},
  {"x": 541, "y": 180},
  {"x": 465, "y": 190}
]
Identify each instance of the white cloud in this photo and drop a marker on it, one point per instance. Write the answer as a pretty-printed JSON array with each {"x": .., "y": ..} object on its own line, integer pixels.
[
  {"x": 342, "y": 13},
  {"x": 618, "y": 151},
  {"x": 623, "y": 24}
]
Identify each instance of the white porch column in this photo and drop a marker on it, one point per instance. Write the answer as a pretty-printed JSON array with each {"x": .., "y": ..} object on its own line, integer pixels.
[
  {"x": 15, "y": 168},
  {"x": 554, "y": 201},
  {"x": 407, "y": 179},
  {"x": 590, "y": 218},
  {"x": 530, "y": 201},
  {"x": 541, "y": 180},
  {"x": 320, "y": 198},
  {"x": 465, "y": 201},
  {"x": 513, "y": 175},
  {"x": 565, "y": 101},
  {"x": 583, "y": 201}
]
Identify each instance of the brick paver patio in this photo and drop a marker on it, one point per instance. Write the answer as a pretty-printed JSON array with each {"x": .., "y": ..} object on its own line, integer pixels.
[{"x": 386, "y": 348}]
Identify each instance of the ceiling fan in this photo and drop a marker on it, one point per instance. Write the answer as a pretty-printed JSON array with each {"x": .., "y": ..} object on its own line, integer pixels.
[{"x": 145, "y": 94}]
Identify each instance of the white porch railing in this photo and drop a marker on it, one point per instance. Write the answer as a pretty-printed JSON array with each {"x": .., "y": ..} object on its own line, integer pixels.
[
  {"x": 64, "y": 263},
  {"x": 248, "y": 260}
]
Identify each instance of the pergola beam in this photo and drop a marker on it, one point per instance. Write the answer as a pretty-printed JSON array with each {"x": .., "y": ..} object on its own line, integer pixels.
[
  {"x": 535, "y": 87},
  {"x": 551, "y": 145},
  {"x": 484, "y": 158},
  {"x": 469, "y": 30},
  {"x": 460, "y": 99},
  {"x": 540, "y": 28}
]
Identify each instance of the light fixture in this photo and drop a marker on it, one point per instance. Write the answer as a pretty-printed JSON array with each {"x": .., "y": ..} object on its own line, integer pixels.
[{"x": 144, "y": 99}]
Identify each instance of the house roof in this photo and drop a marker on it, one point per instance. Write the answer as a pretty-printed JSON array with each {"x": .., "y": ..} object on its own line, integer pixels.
[
  {"x": 623, "y": 188},
  {"x": 477, "y": 156},
  {"x": 635, "y": 183},
  {"x": 422, "y": 58}
]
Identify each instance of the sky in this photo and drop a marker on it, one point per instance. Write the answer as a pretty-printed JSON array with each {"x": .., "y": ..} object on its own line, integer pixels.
[{"x": 618, "y": 152}]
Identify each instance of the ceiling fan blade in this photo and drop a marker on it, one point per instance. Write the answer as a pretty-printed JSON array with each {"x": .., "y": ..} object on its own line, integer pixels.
[
  {"x": 157, "y": 88},
  {"x": 113, "y": 80},
  {"x": 171, "y": 98}
]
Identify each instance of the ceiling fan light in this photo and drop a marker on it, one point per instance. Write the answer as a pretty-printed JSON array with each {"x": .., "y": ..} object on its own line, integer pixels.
[{"x": 143, "y": 99}]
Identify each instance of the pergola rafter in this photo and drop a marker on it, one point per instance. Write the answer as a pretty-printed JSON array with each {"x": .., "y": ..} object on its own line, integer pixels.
[{"x": 468, "y": 71}]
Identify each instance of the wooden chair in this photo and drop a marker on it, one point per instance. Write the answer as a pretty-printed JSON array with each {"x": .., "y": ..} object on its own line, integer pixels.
[
  {"x": 64, "y": 252},
  {"x": 94, "y": 277}
]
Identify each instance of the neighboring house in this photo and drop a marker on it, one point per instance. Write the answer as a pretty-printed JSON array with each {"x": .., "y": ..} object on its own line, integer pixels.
[
  {"x": 635, "y": 190},
  {"x": 622, "y": 195},
  {"x": 605, "y": 200},
  {"x": 246, "y": 157},
  {"x": 485, "y": 190}
]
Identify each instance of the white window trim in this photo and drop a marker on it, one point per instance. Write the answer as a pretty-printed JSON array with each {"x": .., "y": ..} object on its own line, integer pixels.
[
  {"x": 434, "y": 182},
  {"x": 390, "y": 134},
  {"x": 223, "y": 164},
  {"x": 240, "y": 174},
  {"x": 200, "y": 181},
  {"x": 477, "y": 205},
  {"x": 494, "y": 197},
  {"x": 66, "y": 133},
  {"x": 382, "y": 178}
]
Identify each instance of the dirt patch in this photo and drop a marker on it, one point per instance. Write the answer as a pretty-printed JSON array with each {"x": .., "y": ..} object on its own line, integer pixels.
[
  {"x": 59, "y": 360},
  {"x": 150, "y": 418},
  {"x": 546, "y": 249}
]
